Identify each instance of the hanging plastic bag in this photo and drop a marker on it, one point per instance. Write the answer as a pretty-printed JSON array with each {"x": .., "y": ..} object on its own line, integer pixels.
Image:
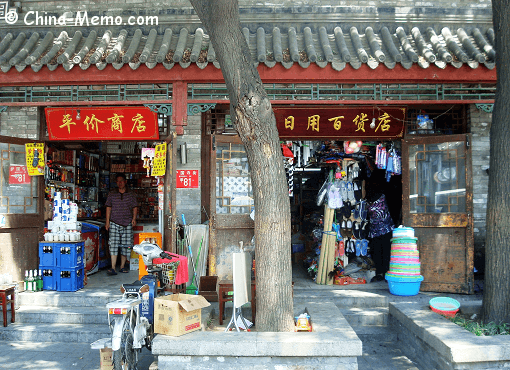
[
  {"x": 334, "y": 197},
  {"x": 321, "y": 195}
]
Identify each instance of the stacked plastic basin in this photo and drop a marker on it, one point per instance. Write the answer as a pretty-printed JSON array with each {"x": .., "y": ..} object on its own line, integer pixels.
[
  {"x": 62, "y": 265},
  {"x": 404, "y": 277}
]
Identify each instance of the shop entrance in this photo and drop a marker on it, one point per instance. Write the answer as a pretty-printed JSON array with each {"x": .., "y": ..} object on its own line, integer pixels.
[
  {"x": 437, "y": 203},
  {"x": 335, "y": 183}
]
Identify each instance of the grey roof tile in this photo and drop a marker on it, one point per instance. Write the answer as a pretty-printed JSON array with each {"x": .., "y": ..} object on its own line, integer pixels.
[{"x": 371, "y": 45}]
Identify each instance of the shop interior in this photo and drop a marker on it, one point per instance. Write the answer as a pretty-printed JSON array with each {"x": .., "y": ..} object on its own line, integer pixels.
[
  {"x": 84, "y": 173},
  {"x": 342, "y": 175}
]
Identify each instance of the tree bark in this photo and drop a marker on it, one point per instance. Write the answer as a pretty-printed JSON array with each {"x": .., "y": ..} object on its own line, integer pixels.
[
  {"x": 254, "y": 120},
  {"x": 496, "y": 297}
]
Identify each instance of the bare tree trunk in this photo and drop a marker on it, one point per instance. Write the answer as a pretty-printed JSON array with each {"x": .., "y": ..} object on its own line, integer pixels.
[
  {"x": 496, "y": 298},
  {"x": 255, "y": 122}
]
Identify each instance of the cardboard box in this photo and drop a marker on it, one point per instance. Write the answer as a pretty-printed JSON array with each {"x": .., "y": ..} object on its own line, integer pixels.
[
  {"x": 105, "y": 358},
  {"x": 178, "y": 314}
]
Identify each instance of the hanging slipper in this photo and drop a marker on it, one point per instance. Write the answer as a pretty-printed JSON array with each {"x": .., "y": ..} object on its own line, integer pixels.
[
  {"x": 356, "y": 229},
  {"x": 341, "y": 248},
  {"x": 350, "y": 192},
  {"x": 364, "y": 247},
  {"x": 343, "y": 191},
  {"x": 348, "y": 228},
  {"x": 357, "y": 190},
  {"x": 358, "y": 247}
]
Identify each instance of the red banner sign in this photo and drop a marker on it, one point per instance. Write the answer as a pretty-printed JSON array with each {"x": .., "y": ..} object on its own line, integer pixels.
[
  {"x": 18, "y": 175},
  {"x": 102, "y": 123},
  {"x": 187, "y": 178},
  {"x": 342, "y": 122}
]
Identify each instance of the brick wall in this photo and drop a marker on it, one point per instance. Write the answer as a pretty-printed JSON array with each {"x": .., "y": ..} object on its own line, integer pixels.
[
  {"x": 22, "y": 122},
  {"x": 480, "y": 122},
  {"x": 188, "y": 201}
]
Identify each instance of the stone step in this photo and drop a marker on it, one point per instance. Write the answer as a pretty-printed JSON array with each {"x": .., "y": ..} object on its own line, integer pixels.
[
  {"x": 79, "y": 298},
  {"x": 375, "y": 334},
  {"x": 68, "y": 315},
  {"x": 69, "y": 333},
  {"x": 344, "y": 298},
  {"x": 371, "y": 316}
]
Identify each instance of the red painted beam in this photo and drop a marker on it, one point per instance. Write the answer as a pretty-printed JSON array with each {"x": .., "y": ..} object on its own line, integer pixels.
[{"x": 276, "y": 74}]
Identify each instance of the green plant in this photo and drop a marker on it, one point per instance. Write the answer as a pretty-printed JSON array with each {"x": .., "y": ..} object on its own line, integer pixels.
[{"x": 481, "y": 329}]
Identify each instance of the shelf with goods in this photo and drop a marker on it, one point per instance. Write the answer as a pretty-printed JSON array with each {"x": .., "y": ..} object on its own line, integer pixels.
[
  {"x": 145, "y": 188},
  {"x": 76, "y": 176}
]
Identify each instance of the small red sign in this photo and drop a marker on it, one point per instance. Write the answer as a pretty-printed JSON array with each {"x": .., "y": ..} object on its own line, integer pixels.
[
  {"x": 187, "y": 178},
  {"x": 18, "y": 175},
  {"x": 102, "y": 123},
  {"x": 341, "y": 122}
]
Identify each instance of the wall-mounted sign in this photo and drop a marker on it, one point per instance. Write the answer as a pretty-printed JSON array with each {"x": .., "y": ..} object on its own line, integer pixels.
[
  {"x": 102, "y": 123},
  {"x": 159, "y": 164},
  {"x": 187, "y": 178},
  {"x": 34, "y": 153},
  {"x": 342, "y": 122},
  {"x": 18, "y": 174}
]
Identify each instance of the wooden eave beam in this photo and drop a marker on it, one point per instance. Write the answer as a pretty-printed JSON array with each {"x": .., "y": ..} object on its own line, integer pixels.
[{"x": 276, "y": 74}]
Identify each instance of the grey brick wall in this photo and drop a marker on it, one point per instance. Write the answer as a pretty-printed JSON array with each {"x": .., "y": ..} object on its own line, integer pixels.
[
  {"x": 188, "y": 201},
  {"x": 22, "y": 122},
  {"x": 480, "y": 129}
]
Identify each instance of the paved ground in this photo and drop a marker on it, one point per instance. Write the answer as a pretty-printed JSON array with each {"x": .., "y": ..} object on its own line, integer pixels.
[{"x": 67, "y": 356}]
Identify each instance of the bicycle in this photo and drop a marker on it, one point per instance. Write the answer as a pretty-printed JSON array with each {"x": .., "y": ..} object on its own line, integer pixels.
[{"x": 130, "y": 318}]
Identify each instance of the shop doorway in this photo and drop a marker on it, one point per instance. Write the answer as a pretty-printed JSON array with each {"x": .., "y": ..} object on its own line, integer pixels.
[{"x": 437, "y": 203}]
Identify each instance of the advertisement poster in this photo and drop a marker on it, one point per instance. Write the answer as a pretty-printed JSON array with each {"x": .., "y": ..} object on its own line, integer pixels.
[
  {"x": 148, "y": 159},
  {"x": 159, "y": 165},
  {"x": 35, "y": 158}
]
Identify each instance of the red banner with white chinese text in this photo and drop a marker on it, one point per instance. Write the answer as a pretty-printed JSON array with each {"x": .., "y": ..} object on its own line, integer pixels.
[
  {"x": 364, "y": 122},
  {"x": 102, "y": 123}
]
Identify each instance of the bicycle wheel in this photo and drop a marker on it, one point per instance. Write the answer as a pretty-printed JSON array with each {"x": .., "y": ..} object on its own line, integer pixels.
[{"x": 126, "y": 357}]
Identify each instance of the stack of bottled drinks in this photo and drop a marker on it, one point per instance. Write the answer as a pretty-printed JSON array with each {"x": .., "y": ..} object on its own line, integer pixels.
[{"x": 33, "y": 281}]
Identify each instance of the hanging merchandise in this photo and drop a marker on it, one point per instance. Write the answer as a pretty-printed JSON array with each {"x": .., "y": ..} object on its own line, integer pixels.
[{"x": 289, "y": 165}]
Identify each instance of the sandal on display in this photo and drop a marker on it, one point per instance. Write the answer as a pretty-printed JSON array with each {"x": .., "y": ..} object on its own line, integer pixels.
[
  {"x": 350, "y": 192},
  {"x": 364, "y": 247},
  {"x": 343, "y": 191},
  {"x": 358, "y": 247},
  {"x": 356, "y": 229},
  {"x": 357, "y": 190}
]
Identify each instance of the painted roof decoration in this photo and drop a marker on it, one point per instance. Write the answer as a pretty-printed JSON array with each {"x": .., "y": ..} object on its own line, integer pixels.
[{"x": 424, "y": 47}]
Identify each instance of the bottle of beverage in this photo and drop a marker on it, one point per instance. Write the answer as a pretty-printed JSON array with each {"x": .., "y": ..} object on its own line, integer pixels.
[
  {"x": 39, "y": 281},
  {"x": 36, "y": 282},
  {"x": 26, "y": 281},
  {"x": 30, "y": 281}
]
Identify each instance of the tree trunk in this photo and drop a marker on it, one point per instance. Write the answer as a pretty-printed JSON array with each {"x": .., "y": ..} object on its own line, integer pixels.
[
  {"x": 496, "y": 297},
  {"x": 255, "y": 122}
]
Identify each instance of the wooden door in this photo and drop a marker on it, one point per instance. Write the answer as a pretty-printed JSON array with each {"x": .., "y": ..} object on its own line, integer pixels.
[
  {"x": 21, "y": 208},
  {"x": 231, "y": 202},
  {"x": 437, "y": 203}
]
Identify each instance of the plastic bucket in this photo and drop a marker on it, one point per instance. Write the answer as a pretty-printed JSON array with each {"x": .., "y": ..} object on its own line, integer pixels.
[{"x": 404, "y": 286}]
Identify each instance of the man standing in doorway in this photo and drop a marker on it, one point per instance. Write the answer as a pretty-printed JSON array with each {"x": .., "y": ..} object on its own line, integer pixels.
[{"x": 121, "y": 212}]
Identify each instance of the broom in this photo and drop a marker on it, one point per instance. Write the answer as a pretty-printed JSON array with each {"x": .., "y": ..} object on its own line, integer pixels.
[{"x": 191, "y": 289}]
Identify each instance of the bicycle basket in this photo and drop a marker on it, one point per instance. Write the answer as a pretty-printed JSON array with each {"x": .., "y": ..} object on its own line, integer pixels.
[{"x": 168, "y": 272}]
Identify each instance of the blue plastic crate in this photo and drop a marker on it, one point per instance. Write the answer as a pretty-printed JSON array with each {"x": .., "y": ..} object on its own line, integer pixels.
[
  {"x": 70, "y": 279},
  {"x": 70, "y": 255},
  {"x": 49, "y": 276},
  {"x": 47, "y": 254}
]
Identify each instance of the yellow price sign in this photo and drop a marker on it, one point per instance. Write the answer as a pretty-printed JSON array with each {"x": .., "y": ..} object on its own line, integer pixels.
[{"x": 159, "y": 164}]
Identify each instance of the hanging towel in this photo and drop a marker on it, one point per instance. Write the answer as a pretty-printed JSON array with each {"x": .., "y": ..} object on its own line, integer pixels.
[{"x": 182, "y": 270}]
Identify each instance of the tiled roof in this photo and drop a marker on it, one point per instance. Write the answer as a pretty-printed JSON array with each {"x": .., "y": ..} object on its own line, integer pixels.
[{"x": 354, "y": 46}]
